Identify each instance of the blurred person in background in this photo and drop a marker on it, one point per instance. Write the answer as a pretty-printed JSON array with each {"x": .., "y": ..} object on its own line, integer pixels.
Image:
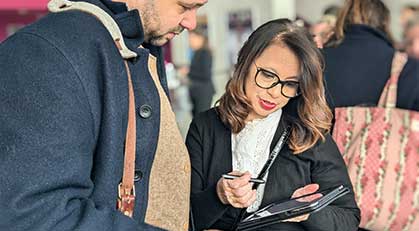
[
  {"x": 407, "y": 13},
  {"x": 359, "y": 56},
  {"x": 411, "y": 37},
  {"x": 279, "y": 69},
  {"x": 323, "y": 29},
  {"x": 201, "y": 87}
]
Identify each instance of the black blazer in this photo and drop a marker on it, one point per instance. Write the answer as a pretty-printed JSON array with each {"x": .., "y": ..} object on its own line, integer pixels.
[
  {"x": 357, "y": 70},
  {"x": 209, "y": 145}
]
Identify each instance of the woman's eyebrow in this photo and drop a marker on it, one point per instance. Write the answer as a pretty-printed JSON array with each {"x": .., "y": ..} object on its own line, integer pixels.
[
  {"x": 271, "y": 69},
  {"x": 293, "y": 77}
]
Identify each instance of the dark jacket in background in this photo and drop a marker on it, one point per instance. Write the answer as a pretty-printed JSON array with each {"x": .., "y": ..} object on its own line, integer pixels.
[
  {"x": 209, "y": 145},
  {"x": 357, "y": 70},
  {"x": 63, "y": 117},
  {"x": 201, "y": 88}
]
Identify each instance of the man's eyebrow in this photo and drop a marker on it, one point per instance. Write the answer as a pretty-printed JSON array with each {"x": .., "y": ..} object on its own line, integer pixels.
[{"x": 193, "y": 5}]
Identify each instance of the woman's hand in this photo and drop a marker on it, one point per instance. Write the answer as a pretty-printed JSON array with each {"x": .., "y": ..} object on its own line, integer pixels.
[
  {"x": 310, "y": 188},
  {"x": 237, "y": 192}
]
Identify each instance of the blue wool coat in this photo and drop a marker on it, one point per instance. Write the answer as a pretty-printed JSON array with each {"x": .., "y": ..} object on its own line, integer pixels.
[
  {"x": 357, "y": 70},
  {"x": 63, "y": 117}
]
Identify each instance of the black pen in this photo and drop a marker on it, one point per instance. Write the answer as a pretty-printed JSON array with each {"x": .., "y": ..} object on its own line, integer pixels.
[{"x": 253, "y": 180}]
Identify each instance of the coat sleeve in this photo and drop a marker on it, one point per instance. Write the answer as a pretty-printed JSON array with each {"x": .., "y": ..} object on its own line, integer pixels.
[
  {"x": 329, "y": 171},
  {"x": 47, "y": 144},
  {"x": 206, "y": 206}
]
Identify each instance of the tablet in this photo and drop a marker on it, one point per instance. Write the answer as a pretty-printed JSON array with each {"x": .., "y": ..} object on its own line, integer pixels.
[{"x": 277, "y": 212}]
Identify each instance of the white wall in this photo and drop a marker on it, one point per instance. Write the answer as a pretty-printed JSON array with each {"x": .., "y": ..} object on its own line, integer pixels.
[{"x": 311, "y": 10}]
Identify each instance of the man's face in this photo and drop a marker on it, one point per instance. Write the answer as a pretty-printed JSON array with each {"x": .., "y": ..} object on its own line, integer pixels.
[{"x": 163, "y": 19}]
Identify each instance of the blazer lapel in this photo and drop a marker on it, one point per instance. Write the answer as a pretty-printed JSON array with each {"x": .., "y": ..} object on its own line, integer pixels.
[
  {"x": 221, "y": 161},
  {"x": 283, "y": 123}
]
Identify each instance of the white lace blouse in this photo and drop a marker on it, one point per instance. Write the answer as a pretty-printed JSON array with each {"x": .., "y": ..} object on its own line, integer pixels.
[{"x": 250, "y": 149}]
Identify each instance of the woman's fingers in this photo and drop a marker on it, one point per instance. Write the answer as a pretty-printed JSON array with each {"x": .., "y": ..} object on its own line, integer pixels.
[
  {"x": 222, "y": 191},
  {"x": 308, "y": 189},
  {"x": 240, "y": 192},
  {"x": 310, "y": 198},
  {"x": 240, "y": 181},
  {"x": 242, "y": 202},
  {"x": 237, "y": 192},
  {"x": 298, "y": 219}
]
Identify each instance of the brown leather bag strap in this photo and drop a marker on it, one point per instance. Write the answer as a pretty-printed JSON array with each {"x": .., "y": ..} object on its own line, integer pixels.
[
  {"x": 388, "y": 96},
  {"x": 126, "y": 190}
]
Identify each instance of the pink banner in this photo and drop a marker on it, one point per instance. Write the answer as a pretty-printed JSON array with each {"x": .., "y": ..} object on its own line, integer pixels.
[{"x": 23, "y": 4}]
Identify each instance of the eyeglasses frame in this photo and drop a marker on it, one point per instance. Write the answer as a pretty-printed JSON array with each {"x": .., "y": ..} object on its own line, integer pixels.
[{"x": 279, "y": 81}]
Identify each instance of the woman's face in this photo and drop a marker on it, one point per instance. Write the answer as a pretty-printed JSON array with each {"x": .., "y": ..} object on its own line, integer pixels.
[{"x": 277, "y": 59}]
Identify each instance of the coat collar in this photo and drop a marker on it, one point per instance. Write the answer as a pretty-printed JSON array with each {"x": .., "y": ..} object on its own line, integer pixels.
[
  {"x": 129, "y": 23},
  {"x": 358, "y": 30}
]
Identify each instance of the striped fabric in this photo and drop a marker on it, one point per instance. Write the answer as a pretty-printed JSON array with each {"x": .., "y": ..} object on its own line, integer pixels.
[{"x": 380, "y": 146}]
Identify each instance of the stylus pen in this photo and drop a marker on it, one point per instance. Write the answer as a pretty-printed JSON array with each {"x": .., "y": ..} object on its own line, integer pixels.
[{"x": 253, "y": 180}]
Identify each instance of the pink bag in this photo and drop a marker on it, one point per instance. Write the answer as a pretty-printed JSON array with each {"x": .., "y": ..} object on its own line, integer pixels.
[{"x": 380, "y": 146}]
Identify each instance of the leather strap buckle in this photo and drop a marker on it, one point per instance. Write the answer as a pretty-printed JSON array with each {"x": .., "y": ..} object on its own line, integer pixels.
[{"x": 126, "y": 200}]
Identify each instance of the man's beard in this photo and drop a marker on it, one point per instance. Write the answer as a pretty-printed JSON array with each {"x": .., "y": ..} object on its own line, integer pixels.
[
  {"x": 153, "y": 35},
  {"x": 159, "y": 40}
]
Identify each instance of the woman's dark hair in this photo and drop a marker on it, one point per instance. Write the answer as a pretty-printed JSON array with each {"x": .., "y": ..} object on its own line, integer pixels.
[
  {"x": 314, "y": 116},
  {"x": 373, "y": 13}
]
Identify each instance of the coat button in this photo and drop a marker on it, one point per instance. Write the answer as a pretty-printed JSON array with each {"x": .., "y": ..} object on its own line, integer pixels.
[
  {"x": 187, "y": 168},
  {"x": 145, "y": 111},
  {"x": 138, "y": 175},
  {"x": 185, "y": 225}
]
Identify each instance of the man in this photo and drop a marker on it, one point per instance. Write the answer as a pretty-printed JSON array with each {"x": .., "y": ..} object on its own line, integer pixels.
[{"x": 64, "y": 111}]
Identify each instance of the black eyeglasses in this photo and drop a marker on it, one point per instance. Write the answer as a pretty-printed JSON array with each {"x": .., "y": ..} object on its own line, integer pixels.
[{"x": 267, "y": 79}]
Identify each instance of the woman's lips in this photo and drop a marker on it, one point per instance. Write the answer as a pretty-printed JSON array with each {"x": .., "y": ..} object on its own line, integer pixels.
[{"x": 266, "y": 104}]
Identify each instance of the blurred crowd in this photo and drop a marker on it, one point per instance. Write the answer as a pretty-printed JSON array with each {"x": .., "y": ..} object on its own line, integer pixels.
[
  {"x": 192, "y": 86},
  {"x": 322, "y": 30}
]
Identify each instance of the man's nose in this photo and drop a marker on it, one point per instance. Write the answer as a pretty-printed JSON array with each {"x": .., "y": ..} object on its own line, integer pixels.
[{"x": 189, "y": 20}]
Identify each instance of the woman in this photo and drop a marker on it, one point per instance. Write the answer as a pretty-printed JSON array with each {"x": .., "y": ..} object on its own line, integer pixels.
[
  {"x": 201, "y": 88},
  {"x": 277, "y": 83},
  {"x": 359, "y": 56}
]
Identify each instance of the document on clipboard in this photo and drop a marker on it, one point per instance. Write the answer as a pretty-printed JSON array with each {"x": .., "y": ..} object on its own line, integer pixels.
[{"x": 277, "y": 212}]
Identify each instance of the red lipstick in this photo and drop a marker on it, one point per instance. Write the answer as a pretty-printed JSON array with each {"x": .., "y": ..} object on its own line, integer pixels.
[{"x": 267, "y": 105}]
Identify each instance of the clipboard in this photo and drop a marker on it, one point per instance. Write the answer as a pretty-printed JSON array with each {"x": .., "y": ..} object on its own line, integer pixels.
[{"x": 277, "y": 212}]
